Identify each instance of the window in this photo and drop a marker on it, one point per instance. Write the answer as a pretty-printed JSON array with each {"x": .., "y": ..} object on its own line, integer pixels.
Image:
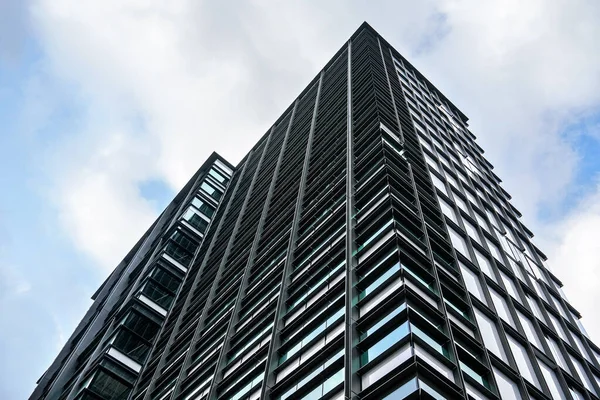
[
  {"x": 583, "y": 375},
  {"x": 241, "y": 393},
  {"x": 581, "y": 347},
  {"x": 326, "y": 386},
  {"x": 132, "y": 336},
  {"x": 535, "y": 308},
  {"x": 141, "y": 325},
  {"x": 538, "y": 289},
  {"x": 552, "y": 381},
  {"x": 482, "y": 379},
  {"x": 501, "y": 307},
  {"x": 458, "y": 242},
  {"x": 484, "y": 265},
  {"x": 195, "y": 220},
  {"x": 492, "y": 218},
  {"x": 472, "y": 282},
  {"x": 387, "y": 274},
  {"x": 166, "y": 279},
  {"x": 434, "y": 363},
  {"x": 157, "y": 294},
  {"x": 450, "y": 178},
  {"x": 461, "y": 203},
  {"x": 211, "y": 191},
  {"x": 470, "y": 195},
  {"x": 508, "y": 388},
  {"x": 530, "y": 330},
  {"x": 439, "y": 184},
  {"x": 557, "y": 353},
  {"x": 482, "y": 223},
  {"x": 220, "y": 178},
  {"x": 323, "y": 388},
  {"x": 403, "y": 391},
  {"x": 494, "y": 250},
  {"x": 576, "y": 394},
  {"x": 559, "y": 306},
  {"x": 558, "y": 327},
  {"x": 448, "y": 211},
  {"x": 203, "y": 207},
  {"x": 524, "y": 363},
  {"x": 425, "y": 144},
  {"x": 510, "y": 286},
  {"x": 474, "y": 393},
  {"x": 110, "y": 381},
  {"x": 431, "y": 162},
  {"x": 385, "y": 343},
  {"x": 385, "y": 366},
  {"x": 491, "y": 337},
  {"x": 472, "y": 231},
  {"x": 300, "y": 343}
]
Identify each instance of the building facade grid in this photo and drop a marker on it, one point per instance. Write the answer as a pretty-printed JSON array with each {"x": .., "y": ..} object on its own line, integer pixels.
[{"x": 363, "y": 249}]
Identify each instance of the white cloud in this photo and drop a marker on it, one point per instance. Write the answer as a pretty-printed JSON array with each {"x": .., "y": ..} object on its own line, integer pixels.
[
  {"x": 522, "y": 71},
  {"x": 162, "y": 84},
  {"x": 573, "y": 250},
  {"x": 519, "y": 69}
]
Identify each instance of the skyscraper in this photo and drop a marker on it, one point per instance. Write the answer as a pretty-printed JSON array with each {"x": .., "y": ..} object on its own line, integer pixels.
[{"x": 363, "y": 249}]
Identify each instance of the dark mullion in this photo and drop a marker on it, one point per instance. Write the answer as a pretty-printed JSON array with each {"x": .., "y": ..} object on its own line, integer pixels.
[
  {"x": 269, "y": 379},
  {"x": 351, "y": 356},
  {"x": 234, "y": 319},
  {"x": 211, "y": 297},
  {"x": 197, "y": 280},
  {"x": 454, "y": 351}
]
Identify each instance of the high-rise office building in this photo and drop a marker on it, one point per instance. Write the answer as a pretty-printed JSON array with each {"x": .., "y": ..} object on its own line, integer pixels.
[{"x": 363, "y": 249}]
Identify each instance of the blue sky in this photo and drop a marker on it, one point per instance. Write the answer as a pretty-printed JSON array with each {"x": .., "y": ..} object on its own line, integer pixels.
[{"x": 107, "y": 108}]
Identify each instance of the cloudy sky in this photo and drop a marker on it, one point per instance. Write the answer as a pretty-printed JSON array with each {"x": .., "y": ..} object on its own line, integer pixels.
[{"x": 107, "y": 108}]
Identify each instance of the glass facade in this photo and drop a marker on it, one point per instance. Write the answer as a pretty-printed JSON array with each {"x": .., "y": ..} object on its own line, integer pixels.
[{"x": 364, "y": 248}]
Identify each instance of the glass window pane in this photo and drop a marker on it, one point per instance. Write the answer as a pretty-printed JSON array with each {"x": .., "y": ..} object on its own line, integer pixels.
[
  {"x": 507, "y": 387},
  {"x": 530, "y": 331},
  {"x": 458, "y": 242},
  {"x": 204, "y": 208},
  {"x": 220, "y": 178},
  {"x": 557, "y": 353},
  {"x": 195, "y": 220},
  {"x": 439, "y": 184},
  {"x": 211, "y": 191},
  {"x": 558, "y": 327},
  {"x": 482, "y": 223},
  {"x": 535, "y": 308},
  {"x": 403, "y": 391},
  {"x": 492, "y": 218},
  {"x": 472, "y": 282},
  {"x": 552, "y": 382},
  {"x": 510, "y": 286},
  {"x": 576, "y": 394},
  {"x": 494, "y": 250},
  {"x": 471, "y": 231},
  {"x": 583, "y": 375},
  {"x": 501, "y": 307},
  {"x": 582, "y": 349},
  {"x": 434, "y": 363},
  {"x": 491, "y": 336},
  {"x": 524, "y": 363},
  {"x": 385, "y": 343},
  {"x": 431, "y": 162},
  {"x": 461, "y": 204},
  {"x": 474, "y": 393},
  {"x": 484, "y": 265},
  {"x": 448, "y": 211}
]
